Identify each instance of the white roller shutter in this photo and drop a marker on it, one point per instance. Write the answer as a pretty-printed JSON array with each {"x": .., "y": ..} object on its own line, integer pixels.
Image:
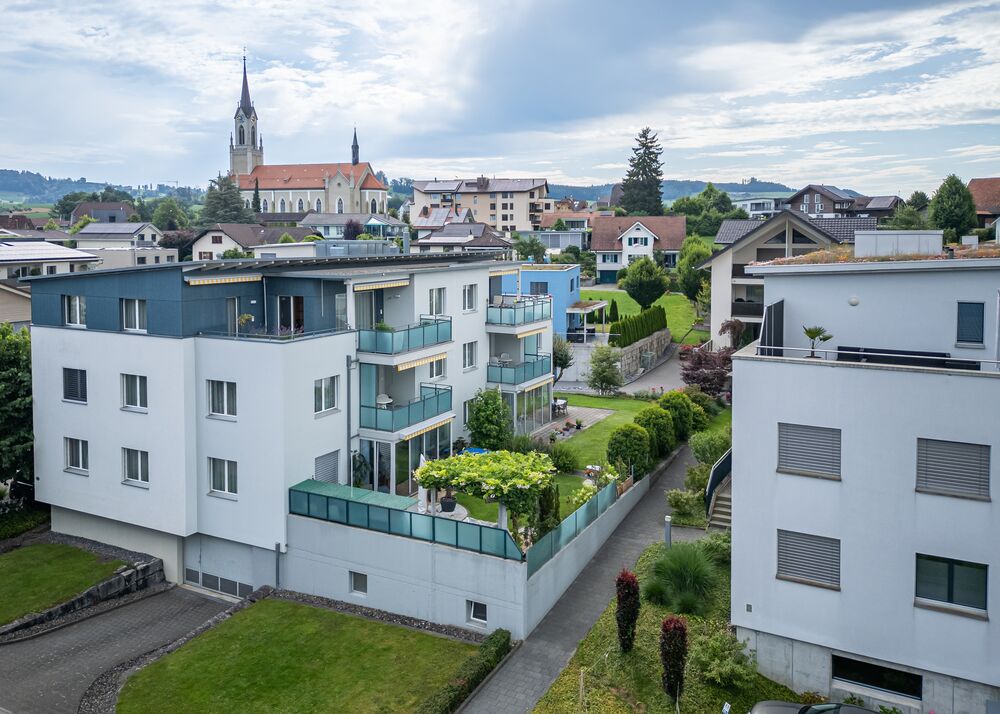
[
  {"x": 327, "y": 467},
  {"x": 809, "y": 450},
  {"x": 953, "y": 468},
  {"x": 809, "y": 558}
]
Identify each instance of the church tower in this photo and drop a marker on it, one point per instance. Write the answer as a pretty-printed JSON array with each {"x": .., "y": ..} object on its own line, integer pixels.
[
  {"x": 246, "y": 147},
  {"x": 355, "y": 150}
]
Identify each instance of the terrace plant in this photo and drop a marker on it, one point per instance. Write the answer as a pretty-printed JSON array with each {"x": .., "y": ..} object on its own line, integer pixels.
[{"x": 815, "y": 334}]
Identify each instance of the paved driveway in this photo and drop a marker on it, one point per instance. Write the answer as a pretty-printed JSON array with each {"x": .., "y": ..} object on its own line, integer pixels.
[{"x": 49, "y": 674}]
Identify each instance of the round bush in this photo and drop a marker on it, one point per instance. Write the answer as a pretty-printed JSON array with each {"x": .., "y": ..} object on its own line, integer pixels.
[
  {"x": 660, "y": 426},
  {"x": 709, "y": 446},
  {"x": 564, "y": 457},
  {"x": 697, "y": 477},
  {"x": 706, "y": 402},
  {"x": 629, "y": 444},
  {"x": 699, "y": 419},
  {"x": 681, "y": 408}
]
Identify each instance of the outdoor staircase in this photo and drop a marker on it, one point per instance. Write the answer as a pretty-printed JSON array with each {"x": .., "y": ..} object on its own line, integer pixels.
[{"x": 720, "y": 513}]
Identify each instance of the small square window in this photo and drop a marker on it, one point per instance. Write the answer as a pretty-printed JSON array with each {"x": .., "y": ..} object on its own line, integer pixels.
[
  {"x": 476, "y": 611},
  {"x": 221, "y": 398},
  {"x": 359, "y": 583},
  {"x": 134, "y": 391},
  {"x": 75, "y": 384}
]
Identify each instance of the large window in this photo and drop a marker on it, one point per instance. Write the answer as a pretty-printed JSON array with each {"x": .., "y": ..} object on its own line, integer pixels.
[
  {"x": 436, "y": 301},
  {"x": 75, "y": 310},
  {"x": 75, "y": 384},
  {"x": 810, "y": 559},
  {"x": 134, "y": 391},
  {"x": 135, "y": 465},
  {"x": 437, "y": 368},
  {"x": 325, "y": 394},
  {"x": 952, "y": 468},
  {"x": 809, "y": 450},
  {"x": 221, "y": 398},
  {"x": 877, "y": 676},
  {"x": 223, "y": 475},
  {"x": 469, "y": 355},
  {"x": 951, "y": 581},
  {"x": 77, "y": 455},
  {"x": 970, "y": 322},
  {"x": 134, "y": 315},
  {"x": 469, "y": 297}
]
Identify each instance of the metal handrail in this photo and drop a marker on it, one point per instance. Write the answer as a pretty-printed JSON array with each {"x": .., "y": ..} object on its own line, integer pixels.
[
  {"x": 720, "y": 470},
  {"x": 431, "y": 330},
  {"x": 854, "y": 353}
]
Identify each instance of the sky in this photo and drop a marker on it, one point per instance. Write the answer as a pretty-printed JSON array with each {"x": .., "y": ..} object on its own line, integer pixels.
[{"x": 880, "y": 97}]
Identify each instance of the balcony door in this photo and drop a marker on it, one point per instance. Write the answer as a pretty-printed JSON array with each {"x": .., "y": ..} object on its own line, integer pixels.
[
  {"x": 368, "y": 309},
  {"x": 291, "y": 313}
]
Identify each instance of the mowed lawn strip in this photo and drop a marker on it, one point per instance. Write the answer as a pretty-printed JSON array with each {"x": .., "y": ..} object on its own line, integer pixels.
[
  {"x": 36, "y": 577},
  {"x": 592, "y": 442},
  {"x": 680, "y": 312},
  {"x": 281, "y": 656},
  {"x": 482, "y": 511}
]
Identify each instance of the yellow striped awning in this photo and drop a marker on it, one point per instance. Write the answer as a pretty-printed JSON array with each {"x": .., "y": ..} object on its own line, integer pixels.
[
  {"x": 507, "y": 271},
  {"x": 385, "y": 284},
  {"x": 417, "y": 362},
  {"x": 426, "y": 429},
  {"x": 539, "y": 386},
  {"x": 529, "y": 333},
  {"x": 222, "y": 281}
]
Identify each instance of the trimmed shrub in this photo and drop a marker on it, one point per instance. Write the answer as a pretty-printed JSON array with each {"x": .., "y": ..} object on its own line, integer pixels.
[
  {"x": 683, "y": 579},
  {"x": 709, "y": 446},
  {"x": 627, "y": 608},
  {"x": 629, "y": 444},
  {"x": 697, "y": 477},
  {"x": 635, "y": 327},
  {"x": 681, "y": 408},
  {"x": 718, "y": 546},
  {"x": 705, "y": 401},
  {"x": 685, "y": 503},
  {"x": 720, "y": 659},
  {"x": 699, "y": 419},
  {"x": 660, "y": 426},
  {"x": 564, "y": 457},
  {"x": 473, "y": 671},
  {"x": 673, "y": 654}
]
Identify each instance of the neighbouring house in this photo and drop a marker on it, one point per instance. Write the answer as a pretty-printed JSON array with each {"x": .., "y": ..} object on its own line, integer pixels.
[
  {"x": 129, "y": 256},
  {"x": 404, "y": 209},
  {"x": 761, "y": 205},
  {"x": 331, "y": 225},
  {"x": 556, "y": 242},
  {"x": 103, "y": 212},
  {"x": 216, "y": 239},
  {"x": 15, "y": 221},
  {"x": 986, "y": 195},
  {"x": 25, "y": 258},
  {"x": 505, "y": 204},
  {"x": 574, "y": 220},
  {"x": 429, "y": 220},
  {"x": 40, "y": 223},
  {"x": 463, "y": 238},
  {"x": 327, "y": 248},
  {"x": 561, "y": 282},
  {"x": 118, "y": 235},
  {"x": 274, "y": 220},
  {"x": 619, "y": 240},
  {"x": 864, "y": 528},
  {"x": 52, "y": 236},
  {"x": 823, "y": 201}
]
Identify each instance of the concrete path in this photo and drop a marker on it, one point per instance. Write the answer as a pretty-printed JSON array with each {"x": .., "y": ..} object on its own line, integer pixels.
[
  {"x": 665, "y": 376},
  {"x": 49, "y": 674},
  {"x": 533, "y": 668}
]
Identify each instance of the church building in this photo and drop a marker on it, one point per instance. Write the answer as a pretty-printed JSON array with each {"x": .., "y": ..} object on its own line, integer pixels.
[{"x": 298, "y": 188}]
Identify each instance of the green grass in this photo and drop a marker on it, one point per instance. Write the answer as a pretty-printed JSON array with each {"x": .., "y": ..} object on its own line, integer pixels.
[
  {"x": 680, "y": 312},
  {"x": 17, "y": 522},
  {"x": 721, "y": 420},
  {"x": 36, "y": 577},
  {"x": 592, "y": 442},
  {"x": 280, "y": 656},
  {"x": 615, "y": 683},
  {"x": 482, "y": 511}
]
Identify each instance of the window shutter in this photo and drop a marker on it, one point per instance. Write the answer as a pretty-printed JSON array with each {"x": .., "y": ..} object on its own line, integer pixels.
[
  {"x": 970, "y": 322},
  {"x": 75, "y": 384},
  {"x": 811, "y": 450},
  {"x": 811, "y": 558},
  {"x": 952, "y": 468},
  {"x": 327, "y": 467}
]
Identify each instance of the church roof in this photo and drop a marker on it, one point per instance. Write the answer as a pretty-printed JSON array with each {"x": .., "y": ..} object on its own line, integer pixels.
[
  {"x": 284, "y": 177},
  {"x": 371, "y": 182},
  {"x": 246, "y": 106}
]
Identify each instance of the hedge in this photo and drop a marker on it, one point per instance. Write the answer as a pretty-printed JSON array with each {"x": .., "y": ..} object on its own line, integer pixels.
[
  {"x": 473, "y": 671},
  {"x": 635, "y": 327}
]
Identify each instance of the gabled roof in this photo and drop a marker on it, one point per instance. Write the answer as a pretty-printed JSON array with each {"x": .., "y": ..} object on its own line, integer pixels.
[
  {"x": 88, "y": 208},
  {"x": 340, "y": 219},
  {"x": 371, "y": 183},
  {"x": 437, "y": 217},
  {"x": 284, "y": 177},
  {"x": 779, "y": 217},
  {"x": 606, "y": 235},
  {"x": 832, "y": 191},
  {"x": 986, "y": 195},
  {"x": 732, "y": 229},
  {"x": 470, "y": 235},
  {"x": 117, "y": 229},
  {"x": 250, "y": 234},
  {"x": 481, "y": 185},
  {"x": 881, "y": 202},
  {"x": 839, "y": 229}
]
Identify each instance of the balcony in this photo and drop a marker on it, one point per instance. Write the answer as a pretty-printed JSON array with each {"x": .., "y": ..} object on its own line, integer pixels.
[
  {"x": 533, "y": 366},
  {"x": 428, "y": 332},
  {"x": 515, "y": 310},
  {"x": 433, "y": 401},
  {"x": 741, "y": 308}
]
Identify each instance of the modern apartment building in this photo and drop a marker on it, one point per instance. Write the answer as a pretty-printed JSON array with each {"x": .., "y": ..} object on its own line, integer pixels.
[
  {"x": 864, "y": 532},
  {"x": 504, "y": 204}
]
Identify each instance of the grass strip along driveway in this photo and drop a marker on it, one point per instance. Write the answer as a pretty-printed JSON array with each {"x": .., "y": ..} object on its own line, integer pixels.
[
  {"x": 680, "y": 312},
  {"x": 280, "y": 656},
  {"x": 37, "y": 577}
]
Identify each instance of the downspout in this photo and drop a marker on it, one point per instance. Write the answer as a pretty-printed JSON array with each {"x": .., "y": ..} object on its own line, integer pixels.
[{"x": 263, "y": 283}]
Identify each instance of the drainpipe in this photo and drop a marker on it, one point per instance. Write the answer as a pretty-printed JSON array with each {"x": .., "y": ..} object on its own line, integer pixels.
[{"x": 350, "y": 461}]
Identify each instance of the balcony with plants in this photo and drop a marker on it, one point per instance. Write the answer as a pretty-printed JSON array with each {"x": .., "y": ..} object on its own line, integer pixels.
[
  {"x": 389, "y": 340},
  {"x": 392, "y": 400}
]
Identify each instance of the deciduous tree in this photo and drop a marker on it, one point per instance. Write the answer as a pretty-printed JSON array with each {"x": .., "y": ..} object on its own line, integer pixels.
[
  {"x": 953, "y": 209},
  {"x": 529, "y": 248},
  {"x": 562, "y": 356},
  {"x": 490, "y": 420},
  {"x": 645, "y": 282},
  {"x": 16, "y": 435},
  {"x": 605, "y": 376},
  {"x": 690, "y": 276},
  {"x": 169, "y": 216}
]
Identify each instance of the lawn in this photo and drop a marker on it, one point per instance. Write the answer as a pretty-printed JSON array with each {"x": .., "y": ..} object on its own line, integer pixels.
[
  {"x": 680, "y": 312},
  {"x": 721, "y": 420},
  {"x": 614, "y": 682},
  {"x": 482, "y": 511},
  {"x": 36, "y": 577},
  {"x": 592, "y": 442},
  {"x": 280, "y": 656}
]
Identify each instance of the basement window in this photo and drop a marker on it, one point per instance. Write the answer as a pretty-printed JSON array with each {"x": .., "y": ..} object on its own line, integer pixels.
[
  {"x": 475, "y": 612},
  {"x": 887, "y": 679}
]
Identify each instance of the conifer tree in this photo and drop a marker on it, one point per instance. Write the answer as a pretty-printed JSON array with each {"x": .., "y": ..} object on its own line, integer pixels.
[
  {"x": 255, "y": 202},
  {"x": 641, "y": 189}
]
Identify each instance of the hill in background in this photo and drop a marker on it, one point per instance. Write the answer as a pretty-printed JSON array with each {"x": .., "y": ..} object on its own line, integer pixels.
[{"x": 672, "y": 189}]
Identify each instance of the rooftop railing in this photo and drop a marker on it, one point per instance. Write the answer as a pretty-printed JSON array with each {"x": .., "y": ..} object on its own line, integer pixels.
[
  {"x": 279, "y": 335},
  {"x": 876, "y": 355},
  {"x": 743, "y": 308},
  {"x": 552, "y": 542},
  {"x": 518, "y": 309},
  {"x": 431, "y": 330},
  {"x": 433, "y": 400},
  {"x": 533, "y": 366}
]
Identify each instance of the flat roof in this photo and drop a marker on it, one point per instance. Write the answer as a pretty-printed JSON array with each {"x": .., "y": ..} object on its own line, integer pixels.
[
  {"x": 842, "y": 260},
  {"x": 358, "y": 495}
]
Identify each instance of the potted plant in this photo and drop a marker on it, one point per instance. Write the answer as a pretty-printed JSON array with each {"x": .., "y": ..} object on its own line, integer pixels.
[
  {"x": 815, "y": 334},
  {"x": 569, "y": 424},
  {"x": 384, "y": 327},
  {"x": 448, "y": 501},
  {"x": 553, "y": 436},
  {"x": 459, "y": 445},
  {"x": 579, "y": 424},
  {"x": 685, "y": 351}
]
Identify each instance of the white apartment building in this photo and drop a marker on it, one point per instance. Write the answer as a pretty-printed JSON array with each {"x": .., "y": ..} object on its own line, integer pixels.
[
  {"x": 865, "y": 555},
  {"x": 504, "y": 204}
]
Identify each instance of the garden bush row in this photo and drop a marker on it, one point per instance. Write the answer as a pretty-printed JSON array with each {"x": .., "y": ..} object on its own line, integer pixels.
[
  {"x": 633, "y": 328},
  {"x": 473, "y": 671}
]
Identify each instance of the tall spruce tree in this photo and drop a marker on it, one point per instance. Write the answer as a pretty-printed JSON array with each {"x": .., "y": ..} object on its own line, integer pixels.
[
  {"x": 223, "y": 203},
  {"x": 255, "y": 202},
  {"x": 641, "y": 189}
]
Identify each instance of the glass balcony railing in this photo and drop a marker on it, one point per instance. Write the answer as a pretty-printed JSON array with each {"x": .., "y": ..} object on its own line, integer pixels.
[
  {"x": 533, "y": 366},
  {"x": 518, "y": 309},
  {"x": 433, "y": 400},
  {"x": 431, "y": 330}
]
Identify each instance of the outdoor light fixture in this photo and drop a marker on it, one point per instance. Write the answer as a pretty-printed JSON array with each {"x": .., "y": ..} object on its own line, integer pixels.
[{"x": 853, "y": 301}]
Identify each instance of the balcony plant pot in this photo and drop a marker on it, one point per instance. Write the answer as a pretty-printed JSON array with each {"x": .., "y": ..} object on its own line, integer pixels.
[{"x": 448, "y": 503}]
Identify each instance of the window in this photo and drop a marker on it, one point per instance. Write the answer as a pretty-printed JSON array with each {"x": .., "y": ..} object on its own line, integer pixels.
[
  {"x": 970, "y": 322},
  {"x": 952, "y": 468},
  {"x": 135, "y": 465},
  {"x": 204, "y": 255},
  {"x": 803, "y": 207},
  {"x": 51, "y": 269},
  {"x": 216, "y": 240},
  {"x": 469, "y": 355},
  {"x": 436, "y": 301},
  {"x": 75, "y": 385},
  {"x": 809, "y": 559},
  {"x": 809, "y": 450},
  {"x": 327, "y": 467},
  {"x": 282, "y": 204},
  {"x": 134, "y": 315},
  {"x": 263, "y": 206},
  {"x": 170, "y": 259},
  {"x": 75, "y": 310},
  {"x": 325, "y": 394},
  {"x": 359, "y": 583},
  {"x": 951, "y": 581},
  {"x": 221, "y": 398},
  {"x": 475, "y": 612},
  {"x": 539, "y": 288},
  {"x": 466, "y": 410},
  {"x": 877, "y": 676},
  {"x": 469, "y": 297},
  {"x": 437, "y": 368},
  {"x": 222, "y": 474},
  {"x": 319, "y": 205},
  {"x": 302, "y": 206},
  {"x": 77, "y": 456},
  {"x": 134, "y": 391},
  {"x": 819, "y": 207},
  {"x": 156, "y": 259},
  {"x": 141, "y": 260}
]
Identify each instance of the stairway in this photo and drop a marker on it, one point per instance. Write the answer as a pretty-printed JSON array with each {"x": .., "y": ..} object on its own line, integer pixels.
[{"x": 721, "y": 513}]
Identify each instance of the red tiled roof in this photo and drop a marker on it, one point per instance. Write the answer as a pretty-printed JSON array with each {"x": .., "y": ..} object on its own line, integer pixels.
[
  {"x": 606, "y": 236},
  {"x": 371, "y": 182},
  {"x": 277, "y": 177},
  {"x": 986, "y": 194}
]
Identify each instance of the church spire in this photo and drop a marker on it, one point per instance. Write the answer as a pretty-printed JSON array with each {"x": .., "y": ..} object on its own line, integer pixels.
[
  {"x": 245, "y": 104},
  {"x": 355, "y": 148}
]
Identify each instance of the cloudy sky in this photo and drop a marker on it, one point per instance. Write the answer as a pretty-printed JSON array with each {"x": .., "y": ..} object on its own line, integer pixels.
[{"x": 881, "y": 97}]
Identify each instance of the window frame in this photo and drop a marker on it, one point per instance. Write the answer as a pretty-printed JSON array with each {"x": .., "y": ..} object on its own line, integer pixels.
[
  {"x": 353, "y": 582},
  {"x": 131, "y": 307},
  {"x": 470, "y": 614},
  {"x": 469, "y": 296},
  {"x": 950, "y": 605},
  {"x": 958, "y": 323},
  {"x": 230, "y": 476},
  {"x": 470, "y": 349},
  {"x": 82, "y": 382},
  {"x": 82, "y": 453},
  {"x": 79, "y": 302},
  {"x": 436, "y": 301},
  {"x": 328, "y": 387},
  {"x": 141, "y": 392},
  {"x": 436, "y": 368},
  {"x": 228, "y": 399},
  {"x": 142, "y": 463}
]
